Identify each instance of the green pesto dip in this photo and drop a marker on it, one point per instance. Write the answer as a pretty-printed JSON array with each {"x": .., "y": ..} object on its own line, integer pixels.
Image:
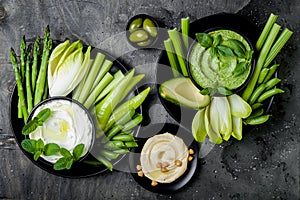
[{"x": 210, "y": 71}]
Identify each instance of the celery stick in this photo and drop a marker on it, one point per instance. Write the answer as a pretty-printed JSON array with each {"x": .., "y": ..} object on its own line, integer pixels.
[
  {"x": 117, "y": 78},
  {"x": 135, "y": 80},
  {"x": 97, "y": 90},
  {"x": 174, "y": 36},
  {"x": 90, "y": 79},
  {"x": 78, "y": 89},
  {"x": 185, "y": 25},
  {"x": 104, "y": 68},
  {"x": 272, "y": 19},
  {"x": 280, "y": 42},
  {"x": 172, "y": 58},
  {"x": 260, "y": 62}
]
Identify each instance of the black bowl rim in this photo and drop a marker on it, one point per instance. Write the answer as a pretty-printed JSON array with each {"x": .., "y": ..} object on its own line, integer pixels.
[{"x": 143, "y": 16}]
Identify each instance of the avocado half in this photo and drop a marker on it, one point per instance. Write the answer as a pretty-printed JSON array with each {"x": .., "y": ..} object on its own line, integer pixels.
[{"x": 183, "y": 92}]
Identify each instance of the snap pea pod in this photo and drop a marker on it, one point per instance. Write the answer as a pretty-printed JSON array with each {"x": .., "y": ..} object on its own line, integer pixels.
[
  {"x": 262, "y": 75},
  {"x": 105, "y": 162},
  {"x": 256, "y": 113},
  {"x": 269, "y": 94},
  {"x": 257, "y": 120},
  {"x": 271, "y": 83},
  {"x": 131, "y": 144},
  {"x": 111, "y": 145},
  {"x": 112, "y": 132},
  {"x": 123, "y": 137},
  {"x": 121, "y": 151},
  {"x": 132, "y": 103},
  {"x": 133, "y": 123},
  {"x": 118, "y": 144},
  {"x": 109, "y": 154},
  {"x": 256, "y": 106},
  {"x": 125, "y": 118},
  {"x": 271, "y": 72},
  {"x": 257, "y": 92},
  {"x": 106, "y": 106}
]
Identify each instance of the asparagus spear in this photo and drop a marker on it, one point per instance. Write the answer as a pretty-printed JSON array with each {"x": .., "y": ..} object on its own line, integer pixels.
[
  {"x": 41, "y": 80},
  {"x": 28, "y": 79},
  {"x": 36, "y": 53},
  {"x": 22, "y": 58},
  {"x": 22, "y": 101}
]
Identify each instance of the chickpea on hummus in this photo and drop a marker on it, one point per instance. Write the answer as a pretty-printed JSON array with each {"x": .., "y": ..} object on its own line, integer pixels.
[{"x": 164, "y": 158}]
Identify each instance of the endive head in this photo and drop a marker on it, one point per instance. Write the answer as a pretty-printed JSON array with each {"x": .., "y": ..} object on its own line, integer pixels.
[{"x": 67, "y": 65}]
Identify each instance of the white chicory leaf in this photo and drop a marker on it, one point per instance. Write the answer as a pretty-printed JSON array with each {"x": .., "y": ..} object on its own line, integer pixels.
[{"x": 239, "y": 107}]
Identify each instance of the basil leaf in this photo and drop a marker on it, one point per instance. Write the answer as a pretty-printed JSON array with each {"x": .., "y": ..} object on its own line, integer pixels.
[
  {"x": 224, "y": 91},
  {"x": 69, "y": 164},
  {"x": 37, "y": 155},
  {"x": 204, "y": 91},
  {"x": 43, "y": 115},
  {"x": 204, "y": 39},
  {"x": 240, "y": 68},
  {"x": 29, "y": 127},
  {"x": 60, "y": 164},
  {"x": 249, "y": 55},
  {"x": 77, "y": 151},
  {"x": 65, "y": 153},
  {"x": 224, "y": 51},
  {"x": 51, "y": 149},
  {"x": 236, "y": 44},
  {"x": 29, "y": 145},
  {"x": 217, "y": 40},
  {"x": 212, "y": 51}
]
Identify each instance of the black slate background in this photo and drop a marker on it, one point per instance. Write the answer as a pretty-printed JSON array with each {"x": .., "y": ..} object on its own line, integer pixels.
[{"x": 264, "y": 165}]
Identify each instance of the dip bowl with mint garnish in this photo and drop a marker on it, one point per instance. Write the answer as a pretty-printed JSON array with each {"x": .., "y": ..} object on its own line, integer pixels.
[{"x": 220, "y": 60}]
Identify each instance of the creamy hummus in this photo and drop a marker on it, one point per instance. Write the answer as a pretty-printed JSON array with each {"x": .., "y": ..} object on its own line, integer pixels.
[
  {"x": 164, "y": 149},
  {"x": 68, "y": 126}
]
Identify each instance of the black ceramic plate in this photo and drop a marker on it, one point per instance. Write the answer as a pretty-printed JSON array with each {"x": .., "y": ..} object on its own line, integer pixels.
[
  {"x": 219, "y": 21},
  {"x": 79, "y": 169},
  {"x": 134, "y": 157}
]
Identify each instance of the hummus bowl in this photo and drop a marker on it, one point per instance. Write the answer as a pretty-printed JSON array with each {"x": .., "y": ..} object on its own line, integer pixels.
[{"x": 159, "y": 145}]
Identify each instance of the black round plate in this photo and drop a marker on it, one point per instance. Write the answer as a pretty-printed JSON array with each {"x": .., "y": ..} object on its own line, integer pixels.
[
  {"x": 79, "y": 169},
  {"x": 134, "y": 157},
  {"x": 184, "y": 115}
]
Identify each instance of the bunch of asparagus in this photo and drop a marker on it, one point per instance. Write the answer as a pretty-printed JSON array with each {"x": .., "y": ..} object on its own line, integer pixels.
[{"x": 31, "y": 73}]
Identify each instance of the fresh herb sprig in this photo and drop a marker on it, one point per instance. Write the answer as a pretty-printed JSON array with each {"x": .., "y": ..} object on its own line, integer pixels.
[{"x": 40, "y": 118}]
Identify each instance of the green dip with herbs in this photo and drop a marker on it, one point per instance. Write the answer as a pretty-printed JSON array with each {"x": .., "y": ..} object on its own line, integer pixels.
[{"x": 212, "y": 70}]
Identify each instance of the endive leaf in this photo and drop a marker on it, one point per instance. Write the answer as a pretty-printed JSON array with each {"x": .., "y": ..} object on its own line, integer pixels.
[
  {"x": 214, "y": 137},
  {"x": 237, "y": 127},
  {"x": 73, "y": 47},
  {"x": 64, "y": 75},
  {"x": 220, "y": 117},
  {"x": 239, "y": 107},
  {"x": 55, "y": 58},
  {"x": 198, "y": 126}
]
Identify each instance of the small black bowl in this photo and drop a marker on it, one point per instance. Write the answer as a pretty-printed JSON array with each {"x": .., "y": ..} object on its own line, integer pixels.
[
  {"x": 253, "y": 60},
  {"x": 62, "y": 98},
  {"x": 143, "y": 17}
]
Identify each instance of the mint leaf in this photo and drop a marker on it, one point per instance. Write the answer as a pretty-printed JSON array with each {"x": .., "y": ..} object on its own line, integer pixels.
[
  {"x": 77, "y": 151},
  {"x": 29, "y": 145},
  {"x": 51, "y": 149},
  {"x": 60, "y": 164},
  {"x": 65, "y": 153},
  {"x": 224, "y": 91},
  {"x": 37, "y": 155},
  {"x": 217, "y": 40},
  {"x": 204, "y": 40},
  {"x": 29, "y": 127},
  {"x": 43, "y": 115},
  {"x": 240, "y": 68},
  {"x": 69, "y": 164},
  {"x": 204, "y": 91},
  {"x": 40, "y": 145}
]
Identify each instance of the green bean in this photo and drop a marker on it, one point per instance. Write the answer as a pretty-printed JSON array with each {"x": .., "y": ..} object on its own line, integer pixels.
[
  {"x": 131, "y": 144},
  {"x": 256, "y": 106},
  {"x": 133, "y": 123},
  {"x": 271, "y": 83},
  {"x": 262, "y": 75},
  {"x": 256, "y": 93},
  {"x": 105, "y": 162},
  {"x": 271, "y": 72},
  {"x": 109, "y": 154},
  {"x": 269, "y": 94},
  {"x": 123, "y": 137},
  {"x": 258, "y": 120}
]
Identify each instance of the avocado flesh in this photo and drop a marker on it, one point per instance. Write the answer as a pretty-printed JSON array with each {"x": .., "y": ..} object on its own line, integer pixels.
[{"x": 182, "y": 91}]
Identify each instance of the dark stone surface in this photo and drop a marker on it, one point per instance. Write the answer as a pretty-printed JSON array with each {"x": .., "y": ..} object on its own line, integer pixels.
[{"x": 264, "y": 165}]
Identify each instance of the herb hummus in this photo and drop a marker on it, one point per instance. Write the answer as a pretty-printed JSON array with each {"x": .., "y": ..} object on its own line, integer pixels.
[{"x": 210, "y": 68}]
